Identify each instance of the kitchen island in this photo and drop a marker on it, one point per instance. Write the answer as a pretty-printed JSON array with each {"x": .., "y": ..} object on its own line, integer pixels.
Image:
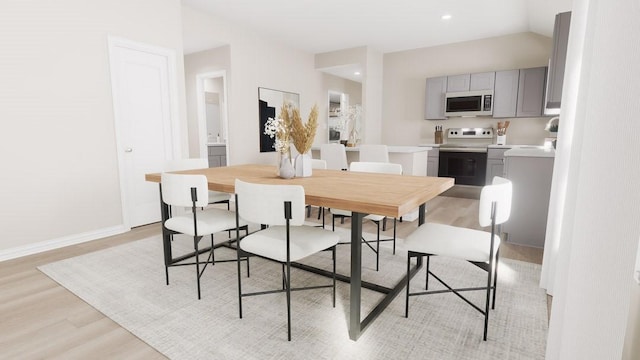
[{"x": 412, "y": 158}]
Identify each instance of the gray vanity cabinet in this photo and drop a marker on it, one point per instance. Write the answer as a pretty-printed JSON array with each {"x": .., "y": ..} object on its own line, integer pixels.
[{"x": 217, "y": 156}]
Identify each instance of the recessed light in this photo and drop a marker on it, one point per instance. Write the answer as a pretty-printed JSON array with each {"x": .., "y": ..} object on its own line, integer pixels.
[
  {"x": 446, "y": 17},
  {"x": 356, "y": 73}
]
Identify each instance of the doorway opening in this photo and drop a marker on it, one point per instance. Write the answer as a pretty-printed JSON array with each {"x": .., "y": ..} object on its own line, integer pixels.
[{"x": 212, "y": 113}]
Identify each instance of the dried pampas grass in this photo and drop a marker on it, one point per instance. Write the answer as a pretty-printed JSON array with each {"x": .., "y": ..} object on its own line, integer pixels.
[{"x": 303, "y": 134}]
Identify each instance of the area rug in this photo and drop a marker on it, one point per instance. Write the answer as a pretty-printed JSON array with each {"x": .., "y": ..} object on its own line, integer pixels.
[{"x": 126, "y": 283}]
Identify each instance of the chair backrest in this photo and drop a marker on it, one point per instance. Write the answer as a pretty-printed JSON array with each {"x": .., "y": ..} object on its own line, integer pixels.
[
  {"x": 318, "y": 164},
  {"x": 376, "y": 167},
  {"x": 185, "y": 164},
  {"x": 176, "y": 189},
  {"x": 335, "y": 155},
  {"x": 500, "y": 192},
  {"x": 374, "y": 153},
  {"x": 264, "y": 204}
]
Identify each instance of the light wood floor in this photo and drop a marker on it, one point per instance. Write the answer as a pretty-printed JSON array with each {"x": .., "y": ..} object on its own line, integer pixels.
[{"x": 40, "y": 319}]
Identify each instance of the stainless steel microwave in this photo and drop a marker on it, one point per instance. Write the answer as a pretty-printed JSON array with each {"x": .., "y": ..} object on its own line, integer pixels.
[{"x": 469, "y": 103}]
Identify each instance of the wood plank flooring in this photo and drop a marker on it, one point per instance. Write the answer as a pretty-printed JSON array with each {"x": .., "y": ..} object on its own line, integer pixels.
[{"x": 40, "y": 319}]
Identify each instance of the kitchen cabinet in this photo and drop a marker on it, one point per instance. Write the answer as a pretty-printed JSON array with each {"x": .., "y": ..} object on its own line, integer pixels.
[
  {"x": 531, "y": 92},
  {"x": 434, "y": 104},
  {"x": 495, "y": 163},
  {"x": 530, "y": 171},
  {"x": 457, "y": 83},
  {"x": 432, "y": 161},
  {"x": 505, "y": 93},
  {"x": 557, "y": 61},
  {"x": 482, "y": 81},
  {"x": 217, "y": 155}
]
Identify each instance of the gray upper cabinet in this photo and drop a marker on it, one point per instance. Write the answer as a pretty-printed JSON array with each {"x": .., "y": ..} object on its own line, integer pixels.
[
  {"x": 434, "y": 104},
  {"x": 505, "y": 93},
  {"x": 457, "y": 83},
  {"x": 531, "y": 92},
  {"x": 557, "y": 63},
  {"x": 482, "y": 81}
]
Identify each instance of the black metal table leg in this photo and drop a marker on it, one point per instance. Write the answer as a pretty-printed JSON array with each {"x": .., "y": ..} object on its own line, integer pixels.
[{"x": 355, "y": 293}]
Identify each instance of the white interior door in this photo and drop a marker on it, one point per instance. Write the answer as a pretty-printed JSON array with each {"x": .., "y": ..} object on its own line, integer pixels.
[{"x": 143, "y": 115}]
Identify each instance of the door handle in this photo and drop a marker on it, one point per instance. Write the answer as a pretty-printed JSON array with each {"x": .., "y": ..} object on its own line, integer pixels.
[{"x": 128, "y": 150}]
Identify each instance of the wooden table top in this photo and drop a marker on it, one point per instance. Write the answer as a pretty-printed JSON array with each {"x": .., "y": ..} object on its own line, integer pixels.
[{"x": 369, "y": 193}]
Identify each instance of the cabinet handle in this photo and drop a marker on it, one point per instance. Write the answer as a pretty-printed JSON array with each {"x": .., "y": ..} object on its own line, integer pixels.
[{"x": 128, "y": 150}]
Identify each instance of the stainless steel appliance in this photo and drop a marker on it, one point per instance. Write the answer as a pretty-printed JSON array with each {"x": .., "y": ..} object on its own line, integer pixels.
[
  {"x": 464, "y": 155},
  {"x": 469, "y": 103}
]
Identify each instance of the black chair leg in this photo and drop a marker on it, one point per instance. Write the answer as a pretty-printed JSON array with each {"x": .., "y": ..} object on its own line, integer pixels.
[
  {"x": 384, "y": 224},
  {"x": 426, "y": 280},
  {"x": 486, "y": 306},
  {"x": 288, "y": 301},
  {"x": 333, "y": 251},
  {"x": 406, "y": 302},
  {"x": 394, "y": 235},
  {"x": 378, "y": 247},
  {"x": 195, "y": 245},
  {"x": 495, "y": 280}
]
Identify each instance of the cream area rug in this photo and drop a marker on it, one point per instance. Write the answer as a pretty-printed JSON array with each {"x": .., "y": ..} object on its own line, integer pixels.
[{"x": 127, "y": 284}]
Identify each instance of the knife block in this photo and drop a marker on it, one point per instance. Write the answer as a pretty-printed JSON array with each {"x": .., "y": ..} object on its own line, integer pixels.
[{"x": 438, "y": 137}]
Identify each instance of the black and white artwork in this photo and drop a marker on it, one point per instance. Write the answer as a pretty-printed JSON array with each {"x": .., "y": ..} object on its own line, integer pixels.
[{"x": 269, "y": 104}]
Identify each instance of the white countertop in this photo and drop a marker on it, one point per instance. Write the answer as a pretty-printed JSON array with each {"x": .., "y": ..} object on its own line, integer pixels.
[
  {"x": 530, "y": 151},
  {"x": 392, "y": 149},
  {"x": 216, "y": 144},
  {"x": 430, "y": 145}
]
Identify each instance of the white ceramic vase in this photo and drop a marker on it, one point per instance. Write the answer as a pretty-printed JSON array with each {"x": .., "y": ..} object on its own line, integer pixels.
[
  {"x": 303, "y": 165},
  {"x": 286, "y": 168}
]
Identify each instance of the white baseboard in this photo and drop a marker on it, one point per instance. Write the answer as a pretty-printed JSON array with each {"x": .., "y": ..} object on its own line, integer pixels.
[{"x": 52, "y": 244}]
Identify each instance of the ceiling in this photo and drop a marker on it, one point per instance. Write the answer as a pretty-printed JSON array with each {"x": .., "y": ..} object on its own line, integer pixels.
[{"x": 387, "y": 26}]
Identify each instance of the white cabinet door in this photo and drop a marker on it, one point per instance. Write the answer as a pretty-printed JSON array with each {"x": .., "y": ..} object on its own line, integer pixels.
[
  {"x": 531, "y": 92},
  {"x": 433, "y": 162},
  {"x": 505, "y": 93},
  {"x": 457, "y": 83},
  {"x": 434, "y": 103},
  {"x": 482, "y": 81}
]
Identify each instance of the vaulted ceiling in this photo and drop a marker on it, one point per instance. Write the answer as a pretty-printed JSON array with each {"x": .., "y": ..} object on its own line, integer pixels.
[{"x": 385, "y": 25}]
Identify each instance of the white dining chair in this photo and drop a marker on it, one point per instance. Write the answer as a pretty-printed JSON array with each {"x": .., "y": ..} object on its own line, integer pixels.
[
  {"x": 215, "y": 197},
  {"x": 480, "y": 248},
  {"x": 374, "y": 153},
  {"x": 190, "y": 191},
  {"x": 335, "y": 155},
  {"x": 285, "y": 239},
  {"x": 372, "y": 167}
]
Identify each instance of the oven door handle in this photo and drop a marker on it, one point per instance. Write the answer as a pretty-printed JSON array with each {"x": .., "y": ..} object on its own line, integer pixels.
[{"x": 463, "y": 149}]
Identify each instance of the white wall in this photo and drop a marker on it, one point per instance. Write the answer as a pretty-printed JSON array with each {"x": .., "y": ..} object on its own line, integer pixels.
[
  {"x": 256, "y": 61},
  {"x": 404, "y": 85},
  {"x": 59, "y": 176},
  {"x": 199, "y": 63},
  {"x": 599, "y": 224}
]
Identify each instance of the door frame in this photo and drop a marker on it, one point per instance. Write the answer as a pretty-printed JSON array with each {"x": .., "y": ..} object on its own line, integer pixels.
[
  {"x": 202, "y": 112},
  {"x": 114, "y": 42}
]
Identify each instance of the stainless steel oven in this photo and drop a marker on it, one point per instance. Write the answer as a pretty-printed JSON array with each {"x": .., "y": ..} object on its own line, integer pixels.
[
  {"x": 467, "y": 168},
  {"x": 464, "y": 155}
]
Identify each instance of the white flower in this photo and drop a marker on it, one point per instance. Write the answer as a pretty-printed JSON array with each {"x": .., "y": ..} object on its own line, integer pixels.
[{"x": 271, "y": 128}]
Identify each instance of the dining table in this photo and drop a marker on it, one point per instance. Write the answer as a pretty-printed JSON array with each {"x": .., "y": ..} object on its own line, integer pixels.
[{"x": 361, "y": 193}]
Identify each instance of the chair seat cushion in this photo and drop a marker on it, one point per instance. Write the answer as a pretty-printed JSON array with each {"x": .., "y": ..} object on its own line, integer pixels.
[
  {"x": 452, "y": 241},
  {"x": 305, "y": 240},
  {"x": 340, "y": 212},
  {"x": 218, "y": 196},
  {"x": 209, "y": 221}
]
